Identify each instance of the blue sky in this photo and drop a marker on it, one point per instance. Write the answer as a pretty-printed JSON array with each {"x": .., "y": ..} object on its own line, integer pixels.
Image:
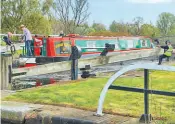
[{"x": 105, "y": 11}]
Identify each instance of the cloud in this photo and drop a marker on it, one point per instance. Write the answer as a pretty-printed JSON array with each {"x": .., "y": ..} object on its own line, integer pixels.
[{"x": 150, "y": 1}]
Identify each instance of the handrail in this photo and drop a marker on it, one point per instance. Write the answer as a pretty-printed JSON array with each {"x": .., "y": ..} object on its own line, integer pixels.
[{"x": 145, "y": 66}]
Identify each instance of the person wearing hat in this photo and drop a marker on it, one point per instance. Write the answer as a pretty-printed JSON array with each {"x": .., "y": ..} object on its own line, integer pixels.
[
  {"x": 27, "y": 39},
  {"x": 168, "y": 50}
]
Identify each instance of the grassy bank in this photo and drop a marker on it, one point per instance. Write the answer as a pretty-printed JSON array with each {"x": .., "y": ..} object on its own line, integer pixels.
[
  {"x": 85, "y": 94},
  {"x": 2, "y": 43},
  {"x": 17, "y": 53}
]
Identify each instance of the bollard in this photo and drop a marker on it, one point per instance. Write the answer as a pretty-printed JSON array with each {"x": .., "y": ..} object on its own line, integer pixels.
[{"x": 6, "y": 70}]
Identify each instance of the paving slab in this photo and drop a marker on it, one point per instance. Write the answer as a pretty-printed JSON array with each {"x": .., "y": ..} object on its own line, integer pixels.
[
  {"x": 16, "y": 111},
  {"x": 26, "y": 113},
  {"x": 75, "y": 115}
]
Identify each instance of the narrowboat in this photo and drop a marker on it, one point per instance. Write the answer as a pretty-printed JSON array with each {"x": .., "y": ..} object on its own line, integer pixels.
[{"x": 56, "y": 49}]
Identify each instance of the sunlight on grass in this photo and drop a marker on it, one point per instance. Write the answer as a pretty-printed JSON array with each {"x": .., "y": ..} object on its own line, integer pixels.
[
  {"x": 2, "y": 43},
  {"x": 85, "y": 94}
]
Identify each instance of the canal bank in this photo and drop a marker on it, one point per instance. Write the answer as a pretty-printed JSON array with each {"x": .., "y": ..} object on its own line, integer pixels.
[{"x": 25, "y": 113}]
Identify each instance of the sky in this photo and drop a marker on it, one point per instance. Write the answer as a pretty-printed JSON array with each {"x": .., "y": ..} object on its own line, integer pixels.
[{"x": 105, "y": 11}]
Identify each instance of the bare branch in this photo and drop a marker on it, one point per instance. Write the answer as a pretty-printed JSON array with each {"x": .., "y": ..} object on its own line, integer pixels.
[{"x": 72, "y": 13}]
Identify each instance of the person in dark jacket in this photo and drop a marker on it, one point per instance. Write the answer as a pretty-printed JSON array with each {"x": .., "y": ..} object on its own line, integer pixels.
[
  {"x": 61, "y": 34},
  {"x": 168, "y": 49},
  {"x": 7, "y": 40}
]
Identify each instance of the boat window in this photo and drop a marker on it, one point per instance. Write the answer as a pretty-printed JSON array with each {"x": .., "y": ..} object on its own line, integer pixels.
[
  {"x": 143, "y": 43},
  {"x": 130, "y": 44},
  {"x": 63, "y": 47},
  {"x": 91, "y": 44}
]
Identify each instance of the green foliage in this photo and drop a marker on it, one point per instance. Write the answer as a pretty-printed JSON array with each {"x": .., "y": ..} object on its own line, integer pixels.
[
  {"x": 166, "y": 23},
  {"x": 45, "y": 17},
  {"x": 15, "y": 11},
  {"x": 56, "y": 25},
  {"x": 83, "y": 30},
  {"x": 172, "y": 31},
  {"x": 85, "y": 94},
  {"x": 17, "y": 54},
  {"x": 119, "y": 27},
  {"x": 113, "y": 27},
  {"x": 136, "y": 27},
  {"x": 99, "y": 27},
  {"x": 27, "y": 12},
  {"x": 149, "y": 30},
  {"x": 38, "y": 24},
  {"x": 2, "y": 43},
  {"x": 46, "y": 7}
]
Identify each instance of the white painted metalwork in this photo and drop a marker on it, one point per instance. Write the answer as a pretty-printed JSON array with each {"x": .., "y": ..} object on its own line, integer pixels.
[{"x": 124, "y": 70}]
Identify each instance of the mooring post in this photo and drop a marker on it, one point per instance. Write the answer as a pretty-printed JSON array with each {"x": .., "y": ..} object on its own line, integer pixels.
[
  {"x": 73, "y": 64},
  {"x": 74, "y": 70},
  {"x": 146, "y": 117},
  {"x": 6, "y": 68},
  {"x": 76, "y": 54}
]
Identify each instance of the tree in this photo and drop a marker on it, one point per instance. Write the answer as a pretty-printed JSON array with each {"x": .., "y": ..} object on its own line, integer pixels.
[
  {"x": 99, "y": 27},
  {"x": 166, "y": 23},
  {"x": 13, "y": 12},
  {"x": 172, "y": 32},
  {"x": 124, "y": 28},
  {"x": 56, "y": 26},
  {"x": 72, "y": 13},
  {"x": 47, "y": 7},
  {"x": 38, "y": 24},
  {"x": 138, "y": 21},
  {"x": 27, "y": 12},
  {"x": 84, "y": 29},
  {"x": 113, "y": 27},
  {"x": 149, "y": 30}
]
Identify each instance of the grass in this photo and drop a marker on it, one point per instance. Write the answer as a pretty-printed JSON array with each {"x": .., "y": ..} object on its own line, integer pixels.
[
  {"x": 84, "y": 94},
  {"x": 17, "y": 53},
  {"x": 2, "y": 43}
]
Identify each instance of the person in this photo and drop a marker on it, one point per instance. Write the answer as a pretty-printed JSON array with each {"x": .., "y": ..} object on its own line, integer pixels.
[
  {"x": 168, "y": 49},
  {"x": 157, "y": 41},
  {"x": 39, "y": 44},
  {"x": 27, "y": 39},
  {"x": 61, "y": 34},
  {"x": 7, "y": 39}
]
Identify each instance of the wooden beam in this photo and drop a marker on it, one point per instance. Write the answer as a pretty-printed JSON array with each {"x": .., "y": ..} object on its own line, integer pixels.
[{"x": 99, "y": 60}]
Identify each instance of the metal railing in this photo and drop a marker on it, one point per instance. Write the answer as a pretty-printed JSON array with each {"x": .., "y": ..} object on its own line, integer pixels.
[
  {"x": 146, "y": 117},
  {"x": 24, "y": 50}
]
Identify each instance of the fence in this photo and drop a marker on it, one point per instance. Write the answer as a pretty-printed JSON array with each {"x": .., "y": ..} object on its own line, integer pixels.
[{"x": 146, "y": 117}]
